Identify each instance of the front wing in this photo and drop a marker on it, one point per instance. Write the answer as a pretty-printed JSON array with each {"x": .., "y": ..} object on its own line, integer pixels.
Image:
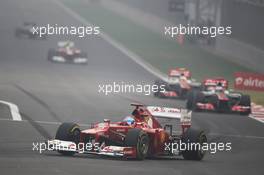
[
  {"x": 211, "y": 107},
  {"x": 115, "y": 151},
  {"x": 63, "y": 59}
]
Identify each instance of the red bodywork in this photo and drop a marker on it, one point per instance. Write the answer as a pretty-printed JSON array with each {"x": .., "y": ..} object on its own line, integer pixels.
[
  {"x": 215, "y": 82},
  {"x": 222, "y": 96},
  {"x": 68, "y": 51},
  {"x": 211, "y": 107},
  {"x": 114, "y": 133},
  {"x": 183, "y": 86},
  {"x": 180, "y": 71}
]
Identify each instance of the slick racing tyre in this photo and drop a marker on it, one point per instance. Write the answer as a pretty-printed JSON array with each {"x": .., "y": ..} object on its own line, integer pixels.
[
  {"x": 158, "y": 83},
  {"x": 193, "y": 98},
  {"x": 195, "y": 139},
  {"x": 214, "y": 100},
  {"x": 245, "y": 101},
  {"x": 51, "y": 53},
  {"x": 190, "y": 101},
  {"x": 177, "y": 88},
  {"x": 84, "y": 55},
  {"x": 68, "y": 132},
  {"x": 138, "y": 138}
]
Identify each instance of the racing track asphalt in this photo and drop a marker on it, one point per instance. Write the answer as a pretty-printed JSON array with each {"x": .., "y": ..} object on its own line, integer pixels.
[{"x": 62, "y": 92}]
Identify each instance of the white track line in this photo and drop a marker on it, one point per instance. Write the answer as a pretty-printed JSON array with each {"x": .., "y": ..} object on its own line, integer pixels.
[
  {"x": 255, "y": 118},
  {"x": 13, "y": 110},
  {"x": 237, "y": 136},
  {"x": 116, "y": 44},
  {"x": 257, "y": 112},
  {"x": 40, "y": 122}
]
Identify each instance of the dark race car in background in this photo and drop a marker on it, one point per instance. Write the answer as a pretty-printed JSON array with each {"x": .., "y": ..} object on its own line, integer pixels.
[
  {"x": 66, "y": 52},
  {"x": 178, "y": 85},
  {"x": 27, "y": 30},
  {"x": 215, "y": 96},
  {"x": 139, "y": 137}
]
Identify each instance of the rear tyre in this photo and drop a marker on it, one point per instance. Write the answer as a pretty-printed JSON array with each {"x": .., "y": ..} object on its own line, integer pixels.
[
  {"x": 245, "y": 101},
  {"x": 51, "y": 53},
  {"x": 214, "y": 100},
  {"x": 193, "y": 138},
  {"x": 84, "y": 55},
  {"x": 200, "y": 98},
  {"x": 190, "y": 101},
  {"x": 139, "y": 139},
  {"x": 177, "y": 88},
  {"x": 193, "y": 98},
  {"x": 158, "y": 83},
  {"x": 68, "y": 132},
  {"x": 183, "y": 94}
]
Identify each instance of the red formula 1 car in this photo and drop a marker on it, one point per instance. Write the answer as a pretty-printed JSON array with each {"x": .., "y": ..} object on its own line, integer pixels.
[
  {"x": 216, "y": 97},
  {"x": 138, "y": 136},
  {"x": 178, "y": 85},
  {"x": 66, "y": 52}
]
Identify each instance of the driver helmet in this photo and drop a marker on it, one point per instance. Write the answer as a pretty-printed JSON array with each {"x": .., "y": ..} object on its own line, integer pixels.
[
  {"x": 68, "y": 44},
  {"x": 219, "y": 88},
  {"x": 143, "y": 113},
  {"x": 220, "y": 84},
  {"x": 129, "y": 120},
  {"x": 183, "y": 77}
]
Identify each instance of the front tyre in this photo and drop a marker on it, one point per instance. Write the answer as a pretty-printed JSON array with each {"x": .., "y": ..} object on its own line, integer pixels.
[
  {"x": 190, "y": 104},
  {"x": 139, "y": 139},
  {"x": 193, "y": 98},
  {"x": 68, "y": 132},
  {"x": 195, "y": 139},
  {"x": 51, "y": 54},
  {"x": 246, "y": 102},
  {"x": 157, "y": 83}
]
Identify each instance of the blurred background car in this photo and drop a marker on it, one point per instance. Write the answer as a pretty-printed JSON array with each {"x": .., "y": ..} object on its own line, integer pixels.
[
  {"x": 27, "y": 30},
  {"x": 66, "y": 52}
]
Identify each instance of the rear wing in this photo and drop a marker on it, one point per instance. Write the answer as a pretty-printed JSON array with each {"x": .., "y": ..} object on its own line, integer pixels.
[
  {"x": 65, "y": 44},
  {"x": 179, "y": 72},
  {"x": 183, "y": 115},
  {"x": 215, "y": 82}
]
